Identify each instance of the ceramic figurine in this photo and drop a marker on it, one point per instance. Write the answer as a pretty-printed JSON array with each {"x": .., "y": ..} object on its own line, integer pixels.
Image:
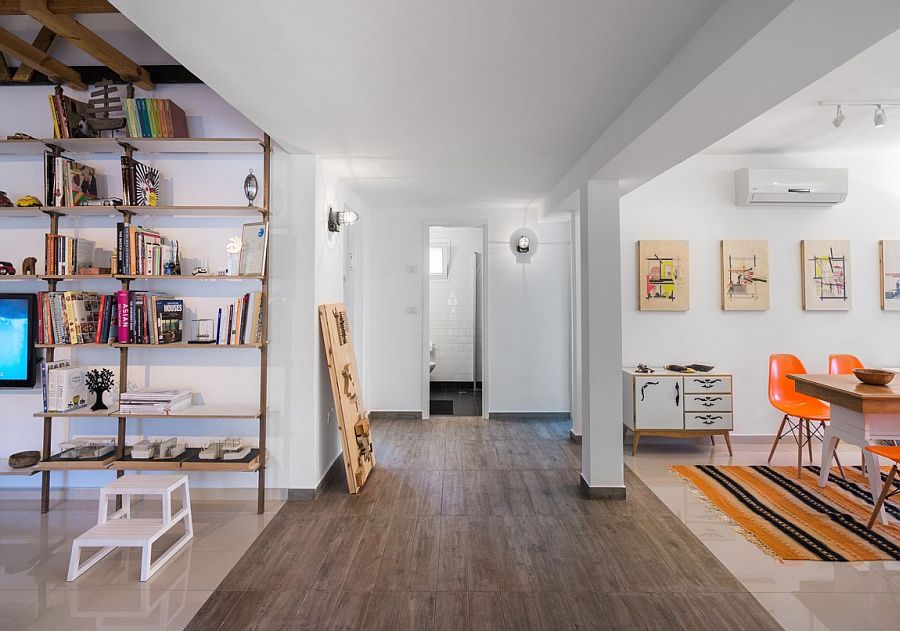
[
  {"x": 29, "y": 201},
  {"x": 5, "y": 201},
  {"x": 7, "y": 269},
  {"x": 28, "y": 266},
  {"x": 234, "y": 256}
]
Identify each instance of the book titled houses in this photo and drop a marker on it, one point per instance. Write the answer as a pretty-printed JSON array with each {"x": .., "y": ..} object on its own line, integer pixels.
[{"x": 169, "y": 314}]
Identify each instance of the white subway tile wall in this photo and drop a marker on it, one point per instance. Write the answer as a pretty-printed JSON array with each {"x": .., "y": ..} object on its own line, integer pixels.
[{"x": 452, "y": 308}]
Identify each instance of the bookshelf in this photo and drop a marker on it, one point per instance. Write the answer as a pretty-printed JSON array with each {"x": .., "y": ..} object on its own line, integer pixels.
[{"x": 121, "y": 461}]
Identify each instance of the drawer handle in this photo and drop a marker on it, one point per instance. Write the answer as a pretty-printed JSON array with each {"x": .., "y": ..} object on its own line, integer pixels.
[
  {"x": 709, "y": 418},
  {"x": 644, "y": 387},
  {"x": 709, "y": 398},
  {"x": 707, "y": 383}
]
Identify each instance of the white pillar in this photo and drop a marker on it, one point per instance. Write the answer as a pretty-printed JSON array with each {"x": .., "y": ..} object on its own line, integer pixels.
[
  {"x": 602, "y": 463},
  {"x": 575, "y": 275}
]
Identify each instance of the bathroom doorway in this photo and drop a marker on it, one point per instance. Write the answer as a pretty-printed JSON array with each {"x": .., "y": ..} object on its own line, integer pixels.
[{"x": 454, "y": 315}]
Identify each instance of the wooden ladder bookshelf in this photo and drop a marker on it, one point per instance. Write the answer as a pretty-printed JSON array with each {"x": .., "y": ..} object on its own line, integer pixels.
[{"x": 256, "y": 461}]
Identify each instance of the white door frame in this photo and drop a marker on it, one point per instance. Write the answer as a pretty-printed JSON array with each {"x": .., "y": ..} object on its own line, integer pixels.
[{"x": 485, "y": 320}]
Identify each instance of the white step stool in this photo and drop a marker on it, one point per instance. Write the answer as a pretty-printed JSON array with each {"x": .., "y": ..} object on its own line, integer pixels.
[{"x": 120, "y": 530}]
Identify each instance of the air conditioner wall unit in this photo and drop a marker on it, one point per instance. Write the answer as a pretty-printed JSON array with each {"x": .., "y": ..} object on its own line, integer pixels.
[{"x": 790, "y": 187}]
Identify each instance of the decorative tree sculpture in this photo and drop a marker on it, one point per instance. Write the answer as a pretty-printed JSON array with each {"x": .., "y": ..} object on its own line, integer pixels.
[{"x": 99, "y": 381}]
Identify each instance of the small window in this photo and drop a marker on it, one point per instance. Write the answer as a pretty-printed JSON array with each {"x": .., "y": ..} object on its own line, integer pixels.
[{"x": 439, "y": 259}]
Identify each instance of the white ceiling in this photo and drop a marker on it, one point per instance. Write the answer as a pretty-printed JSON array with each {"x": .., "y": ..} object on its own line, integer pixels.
[
  {"x": 800, "y": 125},
  {"x": 425, "y": 104}
]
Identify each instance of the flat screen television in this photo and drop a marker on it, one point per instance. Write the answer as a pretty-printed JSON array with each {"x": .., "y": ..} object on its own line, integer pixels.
[{"x": 17, "y": 333}]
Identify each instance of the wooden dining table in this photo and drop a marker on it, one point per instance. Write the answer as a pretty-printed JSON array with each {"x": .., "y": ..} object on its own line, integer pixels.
[{"x": 861, "y": 415}]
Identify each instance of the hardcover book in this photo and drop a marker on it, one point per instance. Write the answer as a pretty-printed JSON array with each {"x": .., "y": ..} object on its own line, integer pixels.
[
  {"x": 169, "y": 314},
  {"x": 146, "y": 187}
]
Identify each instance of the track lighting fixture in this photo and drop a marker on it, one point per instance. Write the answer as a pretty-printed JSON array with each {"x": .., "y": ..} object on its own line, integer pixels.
[
  {"x": 880, "y": 116},
  {"x": 839, "y": 117}
]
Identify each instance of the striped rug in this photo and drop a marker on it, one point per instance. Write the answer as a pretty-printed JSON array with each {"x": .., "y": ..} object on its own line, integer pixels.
[{"x": 795, "y": 519}]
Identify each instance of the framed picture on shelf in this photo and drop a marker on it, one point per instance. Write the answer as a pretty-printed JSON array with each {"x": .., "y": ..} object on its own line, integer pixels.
[{"x": 254, "y": 239}]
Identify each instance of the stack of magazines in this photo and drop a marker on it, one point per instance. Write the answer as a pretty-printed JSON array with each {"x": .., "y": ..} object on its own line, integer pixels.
[{"x": 154, "y": 402}]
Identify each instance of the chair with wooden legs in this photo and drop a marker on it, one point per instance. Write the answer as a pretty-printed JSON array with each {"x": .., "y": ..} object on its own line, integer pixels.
[
  {"x": 806, "y": 410},
  {"x": 891, "y": 453}
]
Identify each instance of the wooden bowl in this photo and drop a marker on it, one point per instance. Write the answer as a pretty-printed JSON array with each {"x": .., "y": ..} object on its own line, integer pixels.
[{"x": 874, "y": 376}]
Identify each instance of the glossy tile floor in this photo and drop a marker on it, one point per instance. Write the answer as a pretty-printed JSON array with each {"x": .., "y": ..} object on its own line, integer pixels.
[
  {"x": 34, "y": 558},
  {"x": 801, "y": 595},
  {"x": 466, "y": 401}
]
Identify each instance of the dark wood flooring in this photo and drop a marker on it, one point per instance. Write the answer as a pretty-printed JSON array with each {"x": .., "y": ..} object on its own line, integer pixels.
[{"x": 474, "y": 524}]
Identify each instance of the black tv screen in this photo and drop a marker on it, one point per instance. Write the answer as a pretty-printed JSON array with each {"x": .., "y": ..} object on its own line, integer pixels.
[{"x": 17, "y": 332}]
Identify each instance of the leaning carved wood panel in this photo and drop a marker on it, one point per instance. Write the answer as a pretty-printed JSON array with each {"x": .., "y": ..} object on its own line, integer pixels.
[{"x": 353, "y": 421}]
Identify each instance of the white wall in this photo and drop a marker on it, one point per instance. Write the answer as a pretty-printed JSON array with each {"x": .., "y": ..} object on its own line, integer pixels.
[
  {"x": 451, "y": 308},
  {"x": 695, "y": 201},
  {"x": 527, "y": 338}
]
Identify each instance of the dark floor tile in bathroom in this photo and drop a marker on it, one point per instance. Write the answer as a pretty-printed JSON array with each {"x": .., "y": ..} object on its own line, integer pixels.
[{"x": 441, "y": 407}]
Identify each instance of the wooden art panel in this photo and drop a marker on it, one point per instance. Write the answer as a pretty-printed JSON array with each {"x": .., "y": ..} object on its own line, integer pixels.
[
  {"x": 745, "y": 275},
  {"x": 663, "y": 274},
  {"x": 826, "y": 275},
  {"x": 353, "y": 421}
]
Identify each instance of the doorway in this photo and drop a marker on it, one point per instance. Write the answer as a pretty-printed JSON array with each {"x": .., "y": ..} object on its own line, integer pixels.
[{"x": 454, "y": 313}]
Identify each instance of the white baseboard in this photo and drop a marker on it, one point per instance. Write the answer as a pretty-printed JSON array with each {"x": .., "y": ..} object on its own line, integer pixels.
[{"x": 93, "y": 493}]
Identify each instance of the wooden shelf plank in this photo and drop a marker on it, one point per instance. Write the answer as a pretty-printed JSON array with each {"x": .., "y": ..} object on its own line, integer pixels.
[
  {"x": 90, "y": 345},
  {"x": 57, "y": 464},
  {"x": 146, "y": 145},
  {"x": 5, "y": 469},
  {"x": 20, "y": 277},
  {"x": 249, "y": 463},
  {"x": 188, "y": 277},
  {"x": 22, "y": 147},
  {"x": 75, "y": 276},
  {"x": 195, "y": 210},
  {"x": 186, "y": 345},
  {"x": 204, "y": 412},
  {"x": 84, "y": 412},
  {"x": 11, "y": 212}
]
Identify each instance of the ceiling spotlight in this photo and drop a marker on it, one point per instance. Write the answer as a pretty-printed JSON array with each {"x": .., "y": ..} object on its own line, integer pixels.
[
  {"x": 839, "y": 117},
  {"x": 880, "y": 116},
  {"x": 338, "y": 218}
]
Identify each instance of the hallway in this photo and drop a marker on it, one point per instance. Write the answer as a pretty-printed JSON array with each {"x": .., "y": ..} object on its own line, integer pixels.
[{"x": 474, "y": 524}]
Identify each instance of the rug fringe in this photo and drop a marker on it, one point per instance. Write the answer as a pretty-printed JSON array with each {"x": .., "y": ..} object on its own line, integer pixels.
[{"x": 749, "y": 536}]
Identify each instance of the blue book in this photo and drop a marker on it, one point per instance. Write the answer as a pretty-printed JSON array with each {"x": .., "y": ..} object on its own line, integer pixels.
[{"x": 218, "y": 326}]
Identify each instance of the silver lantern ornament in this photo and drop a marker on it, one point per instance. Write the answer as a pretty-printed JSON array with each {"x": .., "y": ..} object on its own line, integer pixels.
[{"x": 251, "y": 187}]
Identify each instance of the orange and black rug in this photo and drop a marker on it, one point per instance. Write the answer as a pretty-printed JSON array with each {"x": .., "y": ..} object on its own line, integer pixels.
[{"x": 795, "y": 519}]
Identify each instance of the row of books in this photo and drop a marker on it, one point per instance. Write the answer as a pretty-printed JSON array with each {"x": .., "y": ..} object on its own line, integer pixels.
[
  {"x": 154, "y": 402},
  {"x": 76, "y": 317},
  {"x": 67, "y": 255},
  {"x": 67, "y": 182},
  {"x": 145, "y": 252},
  {"x": 68, "y": 117},
  {"x": 63, "y": 386},
  {"x": 241, "y": 322},
  {"x": 155, "y": 118},
  {"x": 145, "y": 318}
]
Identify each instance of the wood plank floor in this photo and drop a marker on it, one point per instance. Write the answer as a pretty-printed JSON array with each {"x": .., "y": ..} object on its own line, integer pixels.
[{"x": 474, "y": 524}]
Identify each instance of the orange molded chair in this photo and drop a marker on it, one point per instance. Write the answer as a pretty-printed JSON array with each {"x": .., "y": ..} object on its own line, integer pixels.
[
  {"x": 842, "y": 364},
  {"x": 891, "y": 453},
  {"x": 806, "y": 410}
]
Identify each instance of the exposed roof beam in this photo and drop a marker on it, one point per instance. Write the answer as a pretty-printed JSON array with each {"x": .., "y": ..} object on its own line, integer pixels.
[
  {"x": 42, "y": 42},
  {"x": 88, "y": 41},
  {"x": 12, "y": 7},
  {"x": 4, "y": 69},
  {"x": 39, "y": 60}
]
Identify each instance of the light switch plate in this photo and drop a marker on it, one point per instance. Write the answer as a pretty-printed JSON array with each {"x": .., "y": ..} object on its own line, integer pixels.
[
  {"x": 412, "y": 310},
  {"x": 412, "y": 269}
]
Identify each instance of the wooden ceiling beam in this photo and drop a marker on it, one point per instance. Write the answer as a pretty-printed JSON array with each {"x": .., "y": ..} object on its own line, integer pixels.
[
  {"x": 44, "y": 39},
  {"x": 68, "y": 7},
  {"x": 88, "y": 41},
  {"x": 5, "y": 75},
  {"x": 39, "y": 60}
]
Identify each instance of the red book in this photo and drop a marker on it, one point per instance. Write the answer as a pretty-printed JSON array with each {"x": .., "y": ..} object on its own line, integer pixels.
[
  {"x": 124, "y": 316},
  {"x": 179, "y": 121},
  {"x": 40, "y": 315},
  {"x": 99, "y": 334}
]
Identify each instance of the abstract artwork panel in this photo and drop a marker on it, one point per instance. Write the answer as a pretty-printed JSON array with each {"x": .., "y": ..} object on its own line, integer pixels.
[
  {"x": 745, "y": 275},
  {"x": 890, "y": 275},
  {"x": 663, "y": 274},
  {"x": 826, "y": 275}
]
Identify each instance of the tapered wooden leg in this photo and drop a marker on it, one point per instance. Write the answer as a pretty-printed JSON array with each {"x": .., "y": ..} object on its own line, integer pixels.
[
  {"x": 728, "y": 443},
  {"x": 777, "y": 438},
  {"x": 712, "y": 439},
  {"x": 809, "y": 439},
  {"x": 884, "y": 493},
  {"x": 634, "y": 443},
  {"x": 799, "y": 448},
  {"x": 837, "y": 461}
]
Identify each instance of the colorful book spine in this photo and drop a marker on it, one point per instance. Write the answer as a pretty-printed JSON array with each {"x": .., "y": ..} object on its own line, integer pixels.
[{"x": 124, "y": 316}]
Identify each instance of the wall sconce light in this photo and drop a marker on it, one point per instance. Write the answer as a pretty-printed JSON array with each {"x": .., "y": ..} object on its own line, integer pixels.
[
  {"x": 338, "y": 218},
  {"x": 523, "y": 245}
]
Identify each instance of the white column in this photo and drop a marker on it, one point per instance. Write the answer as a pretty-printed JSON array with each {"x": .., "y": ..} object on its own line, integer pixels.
[
  {"x": 602, "y": 464},
  {"x": 575, "y": 275}
]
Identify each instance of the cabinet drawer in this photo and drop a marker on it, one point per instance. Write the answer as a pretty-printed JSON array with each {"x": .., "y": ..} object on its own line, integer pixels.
[
  {"x": 707, "y": 403},
  {"x": 701, "y": 384},
  {"x": 707, "y": 420}
]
